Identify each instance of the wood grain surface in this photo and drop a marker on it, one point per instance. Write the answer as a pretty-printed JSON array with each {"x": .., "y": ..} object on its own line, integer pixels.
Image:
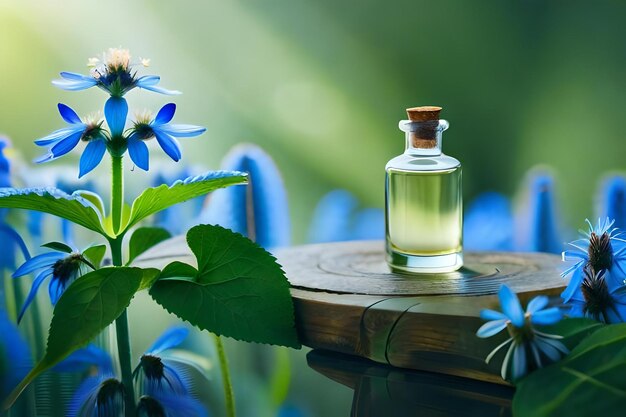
[{"x": 346, "y": 300}]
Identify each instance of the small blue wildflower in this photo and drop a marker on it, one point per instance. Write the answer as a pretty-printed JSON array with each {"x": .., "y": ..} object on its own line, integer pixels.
[
  {"x": 15, "y": 359},
  {"x": 64, "y": 140},
  {"x": 63, "y": 267},
  {"x": 488, "y": 224},
  {"x": 612, "y": 200},
  {"x": 101, "y": 395},
  {"x": 259, "y": 210},
  {"x": 113, "y": 73},
  {"x": 537, "y": 228},
  {"x": 86, "y": 358},
  {"x": 164, "y": 132},
  {"x": 527, "y": 345},
  {"x": 599, "y": 297},
  {"x": 601, "y": 248},
  {"x": 156, "y": 373}
]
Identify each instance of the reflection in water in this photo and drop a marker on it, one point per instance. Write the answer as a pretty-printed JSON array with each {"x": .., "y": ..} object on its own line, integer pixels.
[{"x": 381, "y": 390}]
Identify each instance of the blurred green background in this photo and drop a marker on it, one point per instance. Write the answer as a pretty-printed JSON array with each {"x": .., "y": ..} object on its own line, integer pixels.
[{"x": 321, "y": 85}]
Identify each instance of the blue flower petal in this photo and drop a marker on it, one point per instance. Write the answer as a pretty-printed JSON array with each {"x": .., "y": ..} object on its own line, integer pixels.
[
  {"x": 37, "y": 262},
  {"x": 92, "y": 155},
  {"x": 33, "y": 291},
  {"x": 259, "y": 210},
  {"x": 519, "y": 362},
  {"x": 491, "y": 327},
  {"x": 169, "y": 339},
  {"x": 487, "y": 314},
  {"x": 16, "y": 356},
  {"x": 59, "y": 135},
  {"x": 574, "y": 284},
  {"x": 537, "y": 303},
  {"x": 55, "y": 290},
  {"x": 539, "y": 231},
  {"x": 138, "y": 152},
  {"x": 182, "y": 131},
  {"x": 488, "y": 223},
  {"x": 74, "y": 82},
  {"x": 116, "y": 112},
  {"x": 66, "y": 145},
  {"x": 547, "y": 316},
  {"x": 613, "y": 200},
  {"x": 82, "y": 359},
  {"x": 165, "y": 114},
  {"x": 68, "y": 114},
  {"x": 511, "y": 306},
  {"x": 148, "y": 82},
  {"x": 169, "y": 145}
]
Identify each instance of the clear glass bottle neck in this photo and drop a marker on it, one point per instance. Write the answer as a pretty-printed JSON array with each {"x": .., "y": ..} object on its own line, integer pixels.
[{"x": 423, "y": 138}]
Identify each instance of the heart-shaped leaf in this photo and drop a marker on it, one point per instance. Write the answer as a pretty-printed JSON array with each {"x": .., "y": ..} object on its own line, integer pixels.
[{"x": 239, "y": 290}]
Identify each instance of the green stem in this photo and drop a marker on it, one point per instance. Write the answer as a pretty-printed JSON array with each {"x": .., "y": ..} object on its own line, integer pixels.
[
  {"x": 121, "y": 323},
  {"x": 117, "y": 192},
  {"x": 226, "y": 382}
]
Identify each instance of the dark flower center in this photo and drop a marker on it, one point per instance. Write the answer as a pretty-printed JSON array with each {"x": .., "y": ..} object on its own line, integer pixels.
[
  {"x": 92, "y": 132},
  {"x": 110, "y": 394},
  {"x": 149, "y": 407},
  {"x": 152, "y": 367},
  {"x": 144, "y": 131},
  {"x": 598, "y": 300},
  {"x": 600, "y": 251},
  {"x": 66, "y": 268}
]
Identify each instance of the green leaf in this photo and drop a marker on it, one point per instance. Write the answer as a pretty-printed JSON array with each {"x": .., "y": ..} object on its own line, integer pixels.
[
  {"x": 178, "y": 270},
  {"x": 239, "y": 290},
  {"x": 89, "y": 305},
  {"x": 149, "y": 276},
  {"x": 144, "y": 238},
  {"x": 153, "y": 200},
  {"x": 573, "y": 330},
  {"x": 95, "y": 254},
  {"x": 56, "y": 202},
  {"x": 588, "y": 382},
  {"x": 58, "y": 246}
]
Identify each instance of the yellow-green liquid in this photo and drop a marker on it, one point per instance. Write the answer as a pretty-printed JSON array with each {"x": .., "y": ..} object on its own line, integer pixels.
[{"x": 424, "y": 217}]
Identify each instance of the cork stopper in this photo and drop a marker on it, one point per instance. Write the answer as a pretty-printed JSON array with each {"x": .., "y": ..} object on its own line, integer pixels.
[{"x": 425, "y": 134}]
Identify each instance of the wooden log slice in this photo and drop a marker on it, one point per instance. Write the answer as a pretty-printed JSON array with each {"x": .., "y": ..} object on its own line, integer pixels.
[{"x": 346, "y": 300}]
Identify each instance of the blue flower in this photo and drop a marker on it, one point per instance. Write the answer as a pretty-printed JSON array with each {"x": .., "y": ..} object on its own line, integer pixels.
[
  {"x": 164, "y": 132},
  {"x": 64, "y": 140},
  {"x": 337, "y": 218},
  {"x": 259, "y": 210},
  {"x": 162, "y": 383},
  {"x": 599, "y": 297},
  {"x": 114, "y": 73},
  {"x": 537, "y": 228},
  {"x": 612, "y": 200},
  {"x": 529, "y": 348},
  {"x": 488, "y": 223},
  {"x": 15, "y": 359},
  {"x": 601, "y": 248},
  {"x": 156, "y": 373},
  {"x": 63, "y": 267},
  {"x": 101, "y": 395}
]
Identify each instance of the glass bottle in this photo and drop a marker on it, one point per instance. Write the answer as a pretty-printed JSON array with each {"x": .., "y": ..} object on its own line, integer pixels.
[{"x": 423, "y": 199}]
